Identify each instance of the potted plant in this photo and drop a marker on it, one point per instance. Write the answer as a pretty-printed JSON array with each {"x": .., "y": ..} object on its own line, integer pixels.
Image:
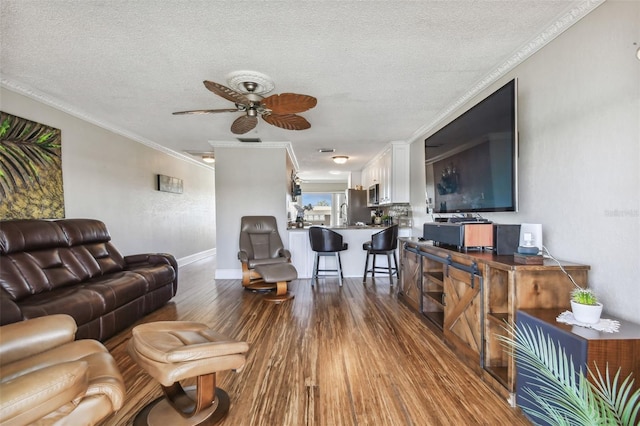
[
  {"x": 585, "y": 306},
  {"x": 561, "y": 394}
]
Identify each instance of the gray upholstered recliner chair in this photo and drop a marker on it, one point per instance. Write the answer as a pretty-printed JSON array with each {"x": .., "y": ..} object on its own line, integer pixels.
[
  {"x": 47, "y": 377},
  {"x": 260, "y": 244}
]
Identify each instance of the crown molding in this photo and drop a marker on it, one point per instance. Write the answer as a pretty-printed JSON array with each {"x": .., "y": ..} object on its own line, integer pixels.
[
  {"x": 561, "y": 24},
  {"x": 36, "y": 95},
  {"x": 260, "y": 145}
]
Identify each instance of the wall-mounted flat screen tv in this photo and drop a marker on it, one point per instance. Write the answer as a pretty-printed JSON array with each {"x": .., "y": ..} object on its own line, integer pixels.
[{"x": 471, "y": 163}]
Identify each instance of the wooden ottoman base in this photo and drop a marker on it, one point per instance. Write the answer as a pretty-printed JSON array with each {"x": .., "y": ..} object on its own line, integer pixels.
[
  {"x": 280, "y": 274},
  {"x": 160, "y": 412}
]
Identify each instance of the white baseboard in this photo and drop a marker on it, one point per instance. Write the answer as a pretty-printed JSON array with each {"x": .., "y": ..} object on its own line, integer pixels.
[
  {"x": 195, "y": 257},
  {"x": 228, "y": 274}
]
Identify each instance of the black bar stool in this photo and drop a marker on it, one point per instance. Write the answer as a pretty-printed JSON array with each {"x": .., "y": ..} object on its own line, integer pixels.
[
  {"x": 383, "y": 242},
  {"x": 325, "y": 242}
]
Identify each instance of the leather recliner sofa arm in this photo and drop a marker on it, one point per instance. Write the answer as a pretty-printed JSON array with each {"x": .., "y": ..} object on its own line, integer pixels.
[
  {"x": 29, "y": 397},
  {"x": 138, "y": 260},
  {"x": 27, "y": 338},
  {"x": 9, "y": 310},
  {"x": 151, "y": 259},
  {"x": 48, "y": 377}
]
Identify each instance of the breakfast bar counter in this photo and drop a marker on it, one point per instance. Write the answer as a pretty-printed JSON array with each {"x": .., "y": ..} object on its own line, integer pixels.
[{"x": 352, "y": 259}]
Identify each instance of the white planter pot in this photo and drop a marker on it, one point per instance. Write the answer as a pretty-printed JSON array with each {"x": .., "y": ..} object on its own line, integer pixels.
[{"x": 588, "y": 314}]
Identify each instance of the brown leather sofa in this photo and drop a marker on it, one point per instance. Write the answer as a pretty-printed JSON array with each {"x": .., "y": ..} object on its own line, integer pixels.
[
  {"x": 47, "y": 377},
  {"x": 69, "y": 266}
]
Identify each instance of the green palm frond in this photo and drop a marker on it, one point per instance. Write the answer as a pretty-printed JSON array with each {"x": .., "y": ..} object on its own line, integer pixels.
[
  {"x": 26, "y": 148},
  {"x": 624, "y": 402},
  {"x": 560, "y": 395}
]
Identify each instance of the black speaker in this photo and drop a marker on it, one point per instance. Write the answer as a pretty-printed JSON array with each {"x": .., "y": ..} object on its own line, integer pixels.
[
  {"x": 444, "y": 233},
  {"x": 506, "y": 238}
]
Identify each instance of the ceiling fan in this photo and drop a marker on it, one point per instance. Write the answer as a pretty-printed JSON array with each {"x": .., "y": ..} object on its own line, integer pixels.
[{"x": 278, "y": 110}]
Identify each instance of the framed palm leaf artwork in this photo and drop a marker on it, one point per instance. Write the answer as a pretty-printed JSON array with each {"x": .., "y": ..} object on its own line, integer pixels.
[{"x": 30, "y": 170}]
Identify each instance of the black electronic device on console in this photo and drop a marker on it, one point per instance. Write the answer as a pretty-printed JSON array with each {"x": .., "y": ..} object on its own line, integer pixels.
[{"x": 468, "y": 220}]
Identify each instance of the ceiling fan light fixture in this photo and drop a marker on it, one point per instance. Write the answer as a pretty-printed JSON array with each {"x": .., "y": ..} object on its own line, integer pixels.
[
  {"x": 340, "y": 159},
  {"x": 259, "y": 83},
  {"x": 209, "y": 159}
]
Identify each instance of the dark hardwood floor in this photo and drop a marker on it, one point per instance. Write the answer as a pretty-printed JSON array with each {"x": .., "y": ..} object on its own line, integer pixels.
[{"x": 331, "y": 356}]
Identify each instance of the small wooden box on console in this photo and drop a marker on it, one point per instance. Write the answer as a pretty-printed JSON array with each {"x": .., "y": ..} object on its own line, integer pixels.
[{"x": 461, "y": 235}]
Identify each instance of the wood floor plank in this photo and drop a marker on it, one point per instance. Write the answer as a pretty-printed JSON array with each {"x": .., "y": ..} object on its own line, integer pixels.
[{"x": 350, "y": 355}]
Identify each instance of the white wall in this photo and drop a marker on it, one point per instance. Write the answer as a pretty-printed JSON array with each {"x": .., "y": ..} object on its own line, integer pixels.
[
  {"x": 579, "y": 122},
  {"x": 112, "y": 178},
  {"x": 249, "y": 182}
]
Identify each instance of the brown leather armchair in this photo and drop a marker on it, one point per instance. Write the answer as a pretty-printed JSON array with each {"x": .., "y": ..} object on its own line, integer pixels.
[
  {"x": 47, "y": 377},
  {"x": 260, "y": 244}
]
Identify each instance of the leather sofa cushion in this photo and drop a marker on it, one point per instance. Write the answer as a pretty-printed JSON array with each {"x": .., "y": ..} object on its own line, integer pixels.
[
  {"x": 88, "y": 300},
  {"x": 99, "y": 258},
  {"x": 89, "y": 240},
  {"x": 84, "y": 231},
  {"x": 26, "y": 235},
  {"x": 84, "y": 303},
  {"x": 24, "y": 274},
  {"x": 156, "y": 276},
  {"x": 117, "y": 289},
  {"x": 37, "y": 257}
]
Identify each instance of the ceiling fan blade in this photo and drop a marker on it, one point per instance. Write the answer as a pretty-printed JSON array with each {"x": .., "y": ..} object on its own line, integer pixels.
[
  {"x": 289, "y": 103},
  {"x": 287, "y": 121},
  {"x": 205, "y": 111},
  {"x": 227, "y": 93},
  {"x": 244, "y": 124}
]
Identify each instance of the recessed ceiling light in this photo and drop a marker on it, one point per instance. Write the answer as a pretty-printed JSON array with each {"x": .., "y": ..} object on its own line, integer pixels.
[{"x": 334, "y": 172}]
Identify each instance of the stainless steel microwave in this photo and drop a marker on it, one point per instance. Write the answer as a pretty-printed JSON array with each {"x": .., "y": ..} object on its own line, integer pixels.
[{"x": 374, "y": 193}]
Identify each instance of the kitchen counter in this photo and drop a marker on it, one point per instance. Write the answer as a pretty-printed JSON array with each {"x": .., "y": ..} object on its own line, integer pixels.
[
  {"x": 338, "y": 228},
  {"x": 352, "y": 259}
]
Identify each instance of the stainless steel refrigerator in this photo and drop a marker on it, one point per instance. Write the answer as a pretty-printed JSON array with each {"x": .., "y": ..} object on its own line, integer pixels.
[{"x": 357, "y": 210}]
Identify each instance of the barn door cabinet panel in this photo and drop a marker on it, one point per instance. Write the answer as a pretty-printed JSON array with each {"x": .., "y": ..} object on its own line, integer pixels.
[
  {"x": 410, "y": 288},
  {"x": 471, "y": 296},
  {"x": 463, "y": 309}
]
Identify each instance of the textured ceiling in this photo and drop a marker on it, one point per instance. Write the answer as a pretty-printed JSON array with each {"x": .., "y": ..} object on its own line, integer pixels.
[{"x": 381, "y": 70}]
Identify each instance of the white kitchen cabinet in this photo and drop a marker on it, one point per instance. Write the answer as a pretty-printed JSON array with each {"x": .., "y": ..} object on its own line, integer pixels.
[{"x": 390, "y": 170}]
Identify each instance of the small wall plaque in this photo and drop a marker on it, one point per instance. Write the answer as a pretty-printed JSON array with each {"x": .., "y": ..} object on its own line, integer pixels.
[{"x": 169, "y": 184}]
